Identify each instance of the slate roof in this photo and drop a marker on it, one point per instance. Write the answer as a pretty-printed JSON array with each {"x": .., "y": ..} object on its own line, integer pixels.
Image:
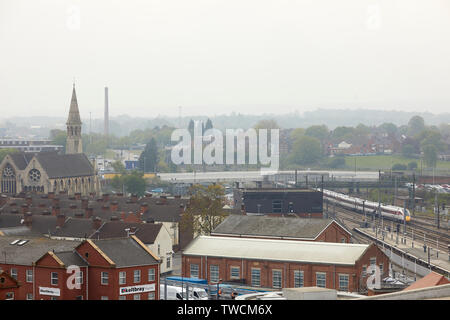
[
  {"x": 10, "y": 220},
  {"x": 125, "y": 252},
  {"x": 163, "y": 213},
  {"x": 67, "y": 165},
  {"x": 146, "y": 232},
  {"x": 75, "y": 228},
  {"x": 32, "y": 250},
  {"x": 288, "y": 227},
  {"x": 70, "y": 258},
  {"x": 21, "y": 159},
  {"x": 74, "y": 113}
]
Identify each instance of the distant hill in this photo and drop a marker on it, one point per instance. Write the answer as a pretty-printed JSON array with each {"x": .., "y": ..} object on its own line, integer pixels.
[{"x": 124, "y": 124}]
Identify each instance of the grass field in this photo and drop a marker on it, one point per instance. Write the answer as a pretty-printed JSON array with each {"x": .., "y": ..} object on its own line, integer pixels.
[{"x": 385, "y": 162}]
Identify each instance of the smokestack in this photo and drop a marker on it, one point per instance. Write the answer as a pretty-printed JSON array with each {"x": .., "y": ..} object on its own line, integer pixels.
[{"x": 106, "y": 113}]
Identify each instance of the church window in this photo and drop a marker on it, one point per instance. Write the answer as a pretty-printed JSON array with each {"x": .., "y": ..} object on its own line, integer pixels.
[{"x": 34, "y": 175}]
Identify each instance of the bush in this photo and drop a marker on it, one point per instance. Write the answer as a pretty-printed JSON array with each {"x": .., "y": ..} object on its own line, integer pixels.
[
  {"x": 399, "y": 166},
  {"x": 412, "y": 165}
]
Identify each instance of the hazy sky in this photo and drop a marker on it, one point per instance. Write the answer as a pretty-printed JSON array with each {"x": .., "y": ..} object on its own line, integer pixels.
[{"x": 217, "y": 56}]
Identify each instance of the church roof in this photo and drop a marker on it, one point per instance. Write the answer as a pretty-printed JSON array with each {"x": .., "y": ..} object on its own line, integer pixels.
[
  {"x": 67, "y": 165},
  {"x": 21, "y": 159},
  {"x": 74, "y": 113}
]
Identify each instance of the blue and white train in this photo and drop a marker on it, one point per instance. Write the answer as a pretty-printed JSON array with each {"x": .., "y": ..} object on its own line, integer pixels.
[{"x": 369, "y": 207}]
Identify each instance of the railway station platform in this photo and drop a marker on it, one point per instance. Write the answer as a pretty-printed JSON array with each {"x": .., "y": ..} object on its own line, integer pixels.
[{"x": 404, "y": 249}]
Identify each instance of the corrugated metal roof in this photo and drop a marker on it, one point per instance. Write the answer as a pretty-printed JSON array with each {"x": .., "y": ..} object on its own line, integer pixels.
[{"x": 279, "y": 250}]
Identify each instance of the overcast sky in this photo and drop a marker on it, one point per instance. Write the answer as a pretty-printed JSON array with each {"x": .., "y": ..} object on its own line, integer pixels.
[{"x": 217, "y": 56}]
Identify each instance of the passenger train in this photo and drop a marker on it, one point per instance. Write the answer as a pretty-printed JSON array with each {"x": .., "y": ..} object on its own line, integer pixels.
[{"x": 369, "y": 207}]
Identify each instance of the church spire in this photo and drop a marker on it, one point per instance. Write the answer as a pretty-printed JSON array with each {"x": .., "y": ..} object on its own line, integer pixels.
[
  {"x": 74, "y": 113},
  {"x": 73, "y": 143}
]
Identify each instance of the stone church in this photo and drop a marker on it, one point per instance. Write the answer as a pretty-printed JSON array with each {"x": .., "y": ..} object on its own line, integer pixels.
[{"x": 45, "y": 172}]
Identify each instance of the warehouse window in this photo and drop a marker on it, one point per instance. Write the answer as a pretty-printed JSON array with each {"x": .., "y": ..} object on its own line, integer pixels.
[
  {"x": 235, "y": 273},
  {"x": 29, "y": 296},
  {"x": 9, "y": 296},
  {"x": 122, "y": 277},
  {"x": 373, "y": 261},
  {"x": 256, "y": 277},
  {"x": 54, "y": 278},
  {"x": 137, "y": 276},
  {"x": 137, "y": 297},
  {"x": 321, "y": 279},
  {"x": 151, "y": 274},
  {"x": 277, "y": 206},
  {"x": 381, "y": 269},
  {"x": 194, "y": 270},
  {"x": 122, "y": 297},
  {"x": 151, "y": 296},
  {"x": 104, "y": 276},
  {"x": 168, "y": 262},
  {"x": 364, "y": 270},
  {"x": 276, "y": 278},
  {"x": 29, "y": 275},
  {"x": 298, "y": 279},
  {"x": 214, "y": 273},
  {"x": 343, "y": 282},
  {"x": 104, "y": 298}
]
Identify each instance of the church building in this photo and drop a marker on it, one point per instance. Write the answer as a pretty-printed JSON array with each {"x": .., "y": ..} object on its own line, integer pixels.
[{"x": 45, "y": 172}]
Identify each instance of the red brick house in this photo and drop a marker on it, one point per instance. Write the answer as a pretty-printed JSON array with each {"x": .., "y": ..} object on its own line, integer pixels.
[
  {"x": 282, "y": 263},
  {"x": 113, "y": 269}
]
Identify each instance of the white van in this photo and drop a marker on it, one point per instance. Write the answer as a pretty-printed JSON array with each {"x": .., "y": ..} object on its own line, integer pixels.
[
  {"x": 199, "y": 293},
  {"x": 174, "y": 293}
]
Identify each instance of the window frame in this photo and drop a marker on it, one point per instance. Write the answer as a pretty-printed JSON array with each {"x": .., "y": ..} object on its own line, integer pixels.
[
  {"x": 122, "y": 277},
  {"x": 341, "y": 288},
  {"x": 190, "y": 270},
  {"x": 320, "y": 273},
  {"x": 104, "y": 276},
  {"x": 151, "y": 275},
  {"x": 253, "y": 283},
  {"x": 29, "y": 274},
  {"x": 299, "y": 277},
  {"x": 238, "y": 272},
  {"x": 137, "y": 275},
  {"x": 280, "y": 280},
  {"x": 52, "y": 278},
  {"x": 214, "y": 275}
]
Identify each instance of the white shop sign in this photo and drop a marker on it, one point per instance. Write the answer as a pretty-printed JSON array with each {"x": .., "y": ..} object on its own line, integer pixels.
[
  {"x": 49, "y": 291},
  {"x": 137, "y": 289}
]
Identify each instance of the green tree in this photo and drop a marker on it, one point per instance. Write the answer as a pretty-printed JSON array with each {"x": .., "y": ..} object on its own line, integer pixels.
[
  {"x": 319, "y": 132},
  {"x": 205, "y": 211},
  {"x": 135, "y": 183},
  {"x": 389, "y": 128},
  {"x": 430, "y": 155},
  {"x": 399, "y": 166},
  {"x": 412, "y": 165},
  {"x": 336, "y": 162},
  {"x": 266, "y": 124},
  {"x": 118, "y": 167},
  {"x": 148, "y": 159},
  {"x": 415, "y": 126},
  {"x": 408, "y": 150},
  {"x": 306, "y": 150},
  {"x": 59, "y": 137}
]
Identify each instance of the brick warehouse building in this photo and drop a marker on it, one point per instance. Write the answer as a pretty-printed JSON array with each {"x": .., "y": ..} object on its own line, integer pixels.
[
  {"x": 111, "y": 269},
  {"x": 282, "y": 263}
]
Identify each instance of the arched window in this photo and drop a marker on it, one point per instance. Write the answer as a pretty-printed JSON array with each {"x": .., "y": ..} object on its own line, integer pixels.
[{"x": 8, "y": 179}]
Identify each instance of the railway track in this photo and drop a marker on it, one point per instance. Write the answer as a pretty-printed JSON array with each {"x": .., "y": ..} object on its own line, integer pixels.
[{"x": 416, "y": 231}]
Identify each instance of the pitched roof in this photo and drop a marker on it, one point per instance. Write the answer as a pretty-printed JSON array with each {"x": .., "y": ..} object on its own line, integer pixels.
[
  {"x": 263, "y": 226},
  {"x": 430, "y": 280},
  {"x": 67, "y": 165},
  {"x": 33, "y": 250},
  {"x": 75, "y": 228},
  {"x": 125, "y": 252},
  {"x": 146, "y": 232},
  {"x": 21, "y": 159},
  {"x": 276, "y": 250},
  {"x": 74, "y": 113},
  {"x": 70, "y": 258},
  {"x": 163, "y": 212}
]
